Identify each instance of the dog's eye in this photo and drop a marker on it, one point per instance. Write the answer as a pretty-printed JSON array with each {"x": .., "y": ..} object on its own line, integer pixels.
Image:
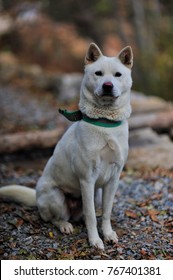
[
  {"x": 98, "y": 73},
  {"x": 118, "y": 74}
]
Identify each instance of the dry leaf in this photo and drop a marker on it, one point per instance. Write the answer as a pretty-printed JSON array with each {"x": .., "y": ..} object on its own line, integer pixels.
[
  {"x": 131, "y": 214},
  {"x": 50, "y": 234},
  {"x": 143, "y": 251},
  {"x": 152, "y": 213}
]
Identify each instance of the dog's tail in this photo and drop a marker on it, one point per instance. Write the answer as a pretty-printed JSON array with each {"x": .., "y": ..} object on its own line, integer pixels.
[{"x": 20, "y": 194}]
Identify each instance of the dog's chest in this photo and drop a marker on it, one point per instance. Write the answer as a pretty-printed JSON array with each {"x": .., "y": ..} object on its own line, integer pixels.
[
  {"x": 110, "y": 159},
  {"x": 110, "y": 153},
  {"x": 99, "y": 152}
]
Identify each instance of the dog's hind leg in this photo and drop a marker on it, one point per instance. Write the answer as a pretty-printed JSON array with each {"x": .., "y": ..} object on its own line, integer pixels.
[{"x": 53, "y": 208}]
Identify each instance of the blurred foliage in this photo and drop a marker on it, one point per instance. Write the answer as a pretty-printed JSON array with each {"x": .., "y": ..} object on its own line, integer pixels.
[{"x": 147, "y": 25}]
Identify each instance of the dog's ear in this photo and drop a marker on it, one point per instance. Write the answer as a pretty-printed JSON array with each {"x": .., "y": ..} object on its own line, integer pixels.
[
  {"x": 126, "y": 56},
  {"x": 92, "y": 54}
]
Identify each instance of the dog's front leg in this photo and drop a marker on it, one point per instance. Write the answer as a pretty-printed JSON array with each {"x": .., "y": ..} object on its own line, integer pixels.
[
  {"x": 87, "y": 190},
  {"x": 108, "y": 198}
]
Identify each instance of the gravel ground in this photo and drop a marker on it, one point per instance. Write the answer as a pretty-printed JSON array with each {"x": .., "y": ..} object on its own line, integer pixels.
[
  {"x": 142, "y": 217},
  {"x": 22, "y": 110}
]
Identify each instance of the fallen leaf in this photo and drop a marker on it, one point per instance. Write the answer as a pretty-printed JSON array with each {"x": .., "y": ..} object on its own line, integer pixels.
[
  {"x": 152, "y": 213},
  {"x": 154, "y": 218},
  {"x": 19, "y": 223},
  {"x": 51, "y": 234},
  {"x": 51, "y": 250},
  {"x": 131, "y": 214},
  {"x": 143, "y": 252}
]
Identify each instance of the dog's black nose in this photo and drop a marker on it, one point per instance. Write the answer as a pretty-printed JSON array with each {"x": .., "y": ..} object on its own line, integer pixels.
[{"x": 107, "y": 87}]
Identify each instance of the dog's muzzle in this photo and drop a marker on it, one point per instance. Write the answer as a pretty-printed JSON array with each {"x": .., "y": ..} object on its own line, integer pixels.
[{"x": 107, "y": 89}]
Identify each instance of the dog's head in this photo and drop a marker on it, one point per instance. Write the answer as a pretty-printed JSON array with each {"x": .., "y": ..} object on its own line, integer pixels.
[{"x": 108, "y": 78}]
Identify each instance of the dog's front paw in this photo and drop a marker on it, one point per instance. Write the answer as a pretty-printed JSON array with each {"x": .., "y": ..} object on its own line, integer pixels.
[
  {"x": 111, "y": 237},
  {"x": 65, "y": 227},
  {"x": 97, "y": 243}
]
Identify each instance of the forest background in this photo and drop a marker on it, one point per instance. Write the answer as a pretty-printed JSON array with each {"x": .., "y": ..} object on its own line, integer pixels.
[{"x": 59, "y": 39}]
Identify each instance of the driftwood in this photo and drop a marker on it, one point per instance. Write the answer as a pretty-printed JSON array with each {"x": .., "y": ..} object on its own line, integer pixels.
[
  {"x": 29, "y": 140},
  {"x": 156, "y": 120}
]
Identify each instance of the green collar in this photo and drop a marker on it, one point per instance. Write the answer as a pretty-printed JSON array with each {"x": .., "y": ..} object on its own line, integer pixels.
[{"x": 78, "y": 115}]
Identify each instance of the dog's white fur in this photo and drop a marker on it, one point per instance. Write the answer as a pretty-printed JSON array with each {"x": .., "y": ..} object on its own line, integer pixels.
[{"x": 87, "y": 157}]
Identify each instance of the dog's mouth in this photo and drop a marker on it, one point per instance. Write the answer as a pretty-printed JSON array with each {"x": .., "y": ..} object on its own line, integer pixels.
[
  {"x": 108, "y": 95},
  {"x": 106, "y": 99}
]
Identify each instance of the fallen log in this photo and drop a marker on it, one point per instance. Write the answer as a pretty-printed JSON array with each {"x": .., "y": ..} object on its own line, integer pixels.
[
  {"x": 148, "y": 104},
  {"x": 48, "y": 138},
  {"x": 29, "y": 140},
  {"x": 156, "y": 120},
  {"x": 149, "y": 150}
]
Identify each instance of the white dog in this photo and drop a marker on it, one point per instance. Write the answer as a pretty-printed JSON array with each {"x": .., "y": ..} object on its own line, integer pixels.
[{"x": 91, "y": 154}]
